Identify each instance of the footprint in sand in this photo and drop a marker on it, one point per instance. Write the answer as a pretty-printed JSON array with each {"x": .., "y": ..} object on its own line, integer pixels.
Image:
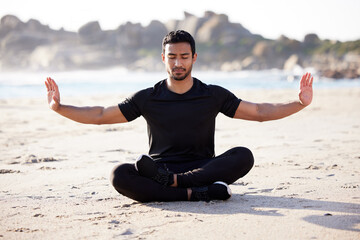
[
  {"x": 350, "y": 185},
  {"x": 34, "y": 159},
  {"x": 39, "y": 215},
  {"x": 4, "y": 171},
  {"x": 312, "y": 167}
]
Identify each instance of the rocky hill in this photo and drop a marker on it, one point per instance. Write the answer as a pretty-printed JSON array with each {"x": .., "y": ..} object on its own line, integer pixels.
[{"x": 221, "y": 45}]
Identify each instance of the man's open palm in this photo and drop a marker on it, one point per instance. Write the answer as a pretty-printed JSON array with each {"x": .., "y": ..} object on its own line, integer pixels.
[
  {"x": 53, "y": 93},
  {"x": 306, "y": 90}
]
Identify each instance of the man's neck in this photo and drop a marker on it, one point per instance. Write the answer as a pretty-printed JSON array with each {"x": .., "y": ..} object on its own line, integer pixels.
[{"x": 179, "y": 87}]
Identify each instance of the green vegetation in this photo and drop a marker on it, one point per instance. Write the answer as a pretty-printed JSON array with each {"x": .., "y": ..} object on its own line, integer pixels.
[{"x": 338, "y": 48}]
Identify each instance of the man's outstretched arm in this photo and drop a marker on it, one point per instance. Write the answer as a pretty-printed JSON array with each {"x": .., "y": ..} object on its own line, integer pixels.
[
  {"x": 268, "y": 111},
  {"x": 88, "y": 115}
]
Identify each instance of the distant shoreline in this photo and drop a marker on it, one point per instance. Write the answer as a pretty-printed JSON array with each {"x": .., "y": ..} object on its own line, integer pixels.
[{"x": 104, "y": 82}]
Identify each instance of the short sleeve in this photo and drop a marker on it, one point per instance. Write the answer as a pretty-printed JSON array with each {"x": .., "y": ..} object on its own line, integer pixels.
[
  {"x": 227, "y": 100},
  {"x": 131, "y": 107}
]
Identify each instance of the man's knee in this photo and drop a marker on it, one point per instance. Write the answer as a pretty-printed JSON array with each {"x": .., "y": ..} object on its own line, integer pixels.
[
  {"x": 245, "y": 156},
  {"x": 123, "y": 178},
  {"x": 119, "y": 175}
]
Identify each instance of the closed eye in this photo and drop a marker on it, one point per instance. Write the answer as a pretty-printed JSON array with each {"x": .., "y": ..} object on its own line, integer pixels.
[{"x": 185, "y": 55}]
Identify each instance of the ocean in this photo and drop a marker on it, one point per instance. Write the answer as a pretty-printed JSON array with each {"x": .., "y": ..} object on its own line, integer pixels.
[{"x": 120, "y": 81}]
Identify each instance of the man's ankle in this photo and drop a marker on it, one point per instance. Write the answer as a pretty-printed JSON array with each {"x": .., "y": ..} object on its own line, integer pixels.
[
  {"x": 189, "y": 192},
  {"x": 175, "y": 184}
]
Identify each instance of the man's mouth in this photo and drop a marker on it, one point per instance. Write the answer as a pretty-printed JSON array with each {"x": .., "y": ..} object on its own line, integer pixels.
[{"x": 179, "y": 70}]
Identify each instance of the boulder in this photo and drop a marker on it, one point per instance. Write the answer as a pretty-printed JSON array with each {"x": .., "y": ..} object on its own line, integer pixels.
[
  {"x": 217, "y": 29},
  {"x": 329, "y": 73},
  {"x": 263, "y": 49},
  {"x": 90, "y": 28},
  {"x": 91, "y": 33},
  {"x": 35, "y": 26},
  {"x": 130, "y": 35},
  {"x": 16, "y": 42},
  {"x": 288, "y": 46},
  {"x": 190, "y": 24},
  {"x": 311, "y": 40},
  {"x": 211, "y": 30},
  {"x": 10, "y": 23},
  {"x": 153, "y": 34}
]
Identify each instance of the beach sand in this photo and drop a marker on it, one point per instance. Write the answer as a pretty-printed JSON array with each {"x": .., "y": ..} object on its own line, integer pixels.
[{"x": 54, "y": 175}]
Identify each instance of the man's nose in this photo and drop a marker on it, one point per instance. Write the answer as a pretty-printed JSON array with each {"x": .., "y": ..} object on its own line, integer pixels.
[{"x": 178, "y": 62}]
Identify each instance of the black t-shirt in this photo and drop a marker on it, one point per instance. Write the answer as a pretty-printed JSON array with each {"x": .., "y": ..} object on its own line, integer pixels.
[{"x": 181, "y": 127}]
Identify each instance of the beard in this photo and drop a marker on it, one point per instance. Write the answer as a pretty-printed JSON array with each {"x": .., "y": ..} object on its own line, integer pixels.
[{"x": 178, "y": 76}]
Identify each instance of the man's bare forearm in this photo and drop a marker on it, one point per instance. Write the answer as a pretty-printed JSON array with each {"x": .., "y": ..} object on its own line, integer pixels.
[
  {"x": 268, "y": 111},
  {"x": 87, "y": 115}
]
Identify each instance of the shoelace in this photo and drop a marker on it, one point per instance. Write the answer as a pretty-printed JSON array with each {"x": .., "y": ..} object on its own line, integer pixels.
[{"x": 162, "y": 177}]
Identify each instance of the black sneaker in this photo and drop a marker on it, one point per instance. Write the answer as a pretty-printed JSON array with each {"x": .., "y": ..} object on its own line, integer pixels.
[
  {"x": 146, "y": 167},
  {"x": 216, "y": 191}
]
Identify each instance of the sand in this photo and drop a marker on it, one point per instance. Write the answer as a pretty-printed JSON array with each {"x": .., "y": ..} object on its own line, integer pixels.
[{"x": 54, "y": 175}]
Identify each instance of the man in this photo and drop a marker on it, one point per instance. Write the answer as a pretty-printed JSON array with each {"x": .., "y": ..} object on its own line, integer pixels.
[{"x": 180, "y": 112}]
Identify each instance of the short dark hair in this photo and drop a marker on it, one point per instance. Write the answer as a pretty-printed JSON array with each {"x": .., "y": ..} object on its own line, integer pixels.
[{"x": 179, "y": 36}]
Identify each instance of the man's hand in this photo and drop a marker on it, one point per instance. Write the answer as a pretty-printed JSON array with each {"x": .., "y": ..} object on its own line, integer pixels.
[
  {"x": 306, "y": 90},
  {"x": 53, "y": 94}
]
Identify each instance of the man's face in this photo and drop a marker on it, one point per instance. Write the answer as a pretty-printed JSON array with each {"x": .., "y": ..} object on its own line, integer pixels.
[{"x": 178, "y": 60}]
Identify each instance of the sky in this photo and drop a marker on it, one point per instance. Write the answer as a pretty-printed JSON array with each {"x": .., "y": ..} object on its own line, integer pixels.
[{"x": 329, "y": 19}]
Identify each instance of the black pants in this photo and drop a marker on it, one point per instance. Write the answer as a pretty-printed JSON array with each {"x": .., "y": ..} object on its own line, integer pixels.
[{"x": 227, "y": 167}]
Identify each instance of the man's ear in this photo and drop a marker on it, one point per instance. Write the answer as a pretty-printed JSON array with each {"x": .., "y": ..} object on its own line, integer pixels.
[
  {"x": 163, "y": 57},
  {"x": 195, "y": 57}
]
